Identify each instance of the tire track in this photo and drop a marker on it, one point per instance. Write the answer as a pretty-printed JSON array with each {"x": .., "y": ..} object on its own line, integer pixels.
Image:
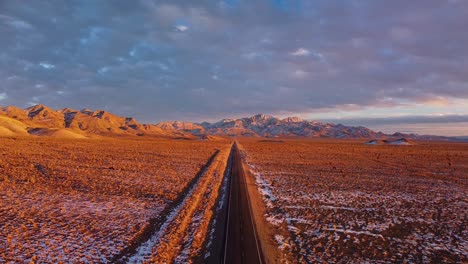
[
  {"x": 183, "y": 239},
  {"x": 140, "y": 248}
]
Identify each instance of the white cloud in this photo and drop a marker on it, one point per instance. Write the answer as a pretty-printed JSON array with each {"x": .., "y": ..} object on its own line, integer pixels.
[
  {"x": 103, "y": 70},
  {"x": 181, "y": 28},
  {"x": 300, "y": 52},
  {"x": 15, "y": 23},
  {"x": 3, "y": 96},
  {"x": 46, "y": 65}
]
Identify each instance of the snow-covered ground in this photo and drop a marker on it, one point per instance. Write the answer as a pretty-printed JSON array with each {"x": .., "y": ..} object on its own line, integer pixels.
[
  {"x": 51, "y": 228},
  {"x": 347, "y": 203},
  {"x": 84, "y": 202}
]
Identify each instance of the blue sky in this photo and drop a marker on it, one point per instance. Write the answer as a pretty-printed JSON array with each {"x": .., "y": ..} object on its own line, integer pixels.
[{"x": 204, "y": 60}]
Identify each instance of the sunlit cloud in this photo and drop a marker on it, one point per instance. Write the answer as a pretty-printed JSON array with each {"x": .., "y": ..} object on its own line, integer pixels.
[
  {"x": 300, "y": 52},
  {"x": 327, "y": 60}
]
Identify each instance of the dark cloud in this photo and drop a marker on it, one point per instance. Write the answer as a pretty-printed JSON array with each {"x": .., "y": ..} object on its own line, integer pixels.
[{"x": 159, "y": 60}]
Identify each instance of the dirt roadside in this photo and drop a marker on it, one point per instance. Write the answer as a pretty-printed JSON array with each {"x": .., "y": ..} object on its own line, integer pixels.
[{"x": 265, "y": 230}]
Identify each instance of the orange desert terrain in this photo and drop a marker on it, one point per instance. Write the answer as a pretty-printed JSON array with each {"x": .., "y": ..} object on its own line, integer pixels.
[{"x": 91, "y": 187}]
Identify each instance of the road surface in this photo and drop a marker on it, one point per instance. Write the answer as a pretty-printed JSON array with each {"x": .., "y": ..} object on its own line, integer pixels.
[{"x": 241, "y": 243}]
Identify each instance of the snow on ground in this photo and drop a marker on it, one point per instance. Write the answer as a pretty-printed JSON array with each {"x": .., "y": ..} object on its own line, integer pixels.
[
  {"x": 86, "y": 201},
  {"x": 144, "y": 251},
  {"x": 344, "y": 203},
  {"x": 283, "y": 245},
  {"x": 66, "y": 224}
]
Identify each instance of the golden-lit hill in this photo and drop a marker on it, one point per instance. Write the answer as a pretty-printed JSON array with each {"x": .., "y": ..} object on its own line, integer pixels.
[
  {"x": 43, "y": 116},
  {"x": 183, "y": 126},
  {"x": 12, "y": 127},
  {"x": 99, "y": 122},
  {"x": 14, "y": 112},
  {"x": 40, "y": 120},
  {"x": 56, "y": 133},
  {"x": 92, "y": 123},
  {"x": 208, "y": 137}
]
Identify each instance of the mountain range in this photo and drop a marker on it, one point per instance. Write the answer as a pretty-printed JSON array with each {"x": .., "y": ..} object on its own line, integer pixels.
[
  {"x": 40, "y": 120},
  {"x": 267, "y": 126}
]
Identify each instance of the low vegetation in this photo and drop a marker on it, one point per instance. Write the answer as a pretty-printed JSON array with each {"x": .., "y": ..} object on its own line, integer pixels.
[
  {"x": 85, "y": 200},
  {"x": 142, "y": 200},
  {"x": 347, "y": 202}
]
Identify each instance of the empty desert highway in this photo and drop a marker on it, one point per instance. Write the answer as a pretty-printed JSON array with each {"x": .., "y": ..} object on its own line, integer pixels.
[{"x": 241, "y": 242}]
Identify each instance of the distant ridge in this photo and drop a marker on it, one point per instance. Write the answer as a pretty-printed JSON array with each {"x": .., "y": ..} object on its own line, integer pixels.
[
  {"x": 268, "y": 126},
  {"x": 40, "y": 120}
]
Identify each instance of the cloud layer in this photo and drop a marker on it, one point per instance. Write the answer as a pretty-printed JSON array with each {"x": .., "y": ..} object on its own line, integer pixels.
[{"x": 194, "y": 60}]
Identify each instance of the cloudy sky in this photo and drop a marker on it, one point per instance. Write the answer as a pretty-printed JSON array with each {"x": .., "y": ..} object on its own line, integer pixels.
[{"x": 400, "y": 64}]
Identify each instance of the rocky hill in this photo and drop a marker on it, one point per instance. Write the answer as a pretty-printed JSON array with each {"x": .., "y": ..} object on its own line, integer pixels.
[
  {"x": 40, "y": 120},
  {"x": 268, "y": 126}
]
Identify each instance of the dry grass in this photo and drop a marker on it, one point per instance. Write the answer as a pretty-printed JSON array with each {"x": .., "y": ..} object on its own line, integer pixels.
[
  {"x": 83, "y": 200},
  {"x": 343, "y": 201}
]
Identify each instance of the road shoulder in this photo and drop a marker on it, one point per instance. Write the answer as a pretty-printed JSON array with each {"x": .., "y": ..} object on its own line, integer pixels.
[{"x": 265, "y": 231}]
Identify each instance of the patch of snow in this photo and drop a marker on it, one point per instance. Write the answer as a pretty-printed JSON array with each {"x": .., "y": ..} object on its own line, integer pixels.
[
  {"x": 301, "y": 220},
  {"x": 145, "y": 250},
  {"x": 344, "y": 231},
  {"x": 281, "y": 242},
  {"x": 183, "y": 257},
  {"x": 338, "y": 207},
  {"x": 275, "y": 220}
]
